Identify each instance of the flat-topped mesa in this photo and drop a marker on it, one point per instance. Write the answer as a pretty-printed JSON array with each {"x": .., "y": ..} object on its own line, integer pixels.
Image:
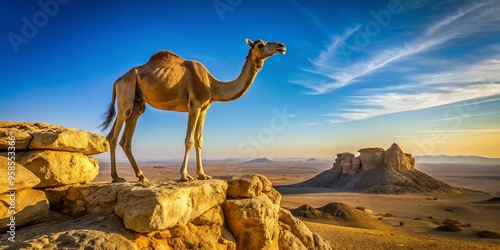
[
  {"x": 378, "y": 171},
  {"x": 370, "y": 158}
]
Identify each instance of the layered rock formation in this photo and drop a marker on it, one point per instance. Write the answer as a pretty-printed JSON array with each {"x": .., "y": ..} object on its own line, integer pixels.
[
  {"x": 55, "y": 154},
  {"x": 240, "y": 213},
  {"x": 370, "y": 158},
  {"x": 18, "y": 199},
  {"x": 376, "y": 170},
  {"x": 52, "y": 137}
]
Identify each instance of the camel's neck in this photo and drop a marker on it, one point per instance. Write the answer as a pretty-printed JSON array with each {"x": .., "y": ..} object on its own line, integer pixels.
[{"x": 229, "y": 91}]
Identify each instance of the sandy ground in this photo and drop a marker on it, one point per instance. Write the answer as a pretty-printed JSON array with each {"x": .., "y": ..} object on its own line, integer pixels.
[{"x": 420, "y": 233}]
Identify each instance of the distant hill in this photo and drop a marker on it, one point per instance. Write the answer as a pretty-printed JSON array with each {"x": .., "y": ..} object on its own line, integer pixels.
[
  {"x": 342, "y": 215},
  {"x": 259, "y": 161},
  {"x": 459, "y": 159},
  {"x": 311, "y": 159}
]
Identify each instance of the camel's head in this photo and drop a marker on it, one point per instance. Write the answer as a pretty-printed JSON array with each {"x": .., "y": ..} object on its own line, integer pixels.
[{"x": 263, "y": 50}]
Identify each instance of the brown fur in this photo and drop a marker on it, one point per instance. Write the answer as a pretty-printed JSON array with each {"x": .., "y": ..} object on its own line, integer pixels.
[{"x": 162, "y": 54}]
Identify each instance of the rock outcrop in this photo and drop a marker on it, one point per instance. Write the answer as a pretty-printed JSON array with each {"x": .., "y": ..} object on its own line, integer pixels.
[
  {"x": 240, "y": 213},
  {"x": 51, "y": 137},
  {"x": 344, "y": 162},
  {"x": 17, "y": 198},
  {"x": 21, "y": 179},
  {"x": 30, "y": 205},
  {"x": 396, "y": 159},
  {"x": 371, "y": 157},
  {"x": 55, "y": 154},
  {"x": 376, "y": 170},
  {"x": 56, "y": 168}
]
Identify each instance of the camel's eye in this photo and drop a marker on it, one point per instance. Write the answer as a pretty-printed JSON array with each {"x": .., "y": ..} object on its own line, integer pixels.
[{"x": 261, "y": 45}]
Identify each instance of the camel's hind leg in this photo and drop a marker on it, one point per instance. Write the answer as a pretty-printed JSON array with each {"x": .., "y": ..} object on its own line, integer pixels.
[
  {"x": 126, "y": 141},
  {"x": 194, "y": 113},
  {"x": 112, "y": 139},
  {"x": 198, "y": 134},
  {"x": 125, "y": 95}
]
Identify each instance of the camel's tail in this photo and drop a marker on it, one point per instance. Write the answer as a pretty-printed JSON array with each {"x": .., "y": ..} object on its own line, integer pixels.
[{"x": 110, "y": 114}]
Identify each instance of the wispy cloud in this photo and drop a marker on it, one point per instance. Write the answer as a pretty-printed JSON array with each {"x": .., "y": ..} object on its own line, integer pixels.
[
  {"x": 462, "y": 131},
  {"x": 454, "y": 118},
  {"x": 311, "y": 124},
  {"x": 450, "y": 133},
  {"x": 311, "y": 16},
  {"x": 325, "y": 56},
  {"x": 475, "y": 80},
  {"x": 487, "y": 71},
  {"x": 335, "y": 75},
  {"x": 368, "y": 106},
  {"x": 452, "y": 18}
]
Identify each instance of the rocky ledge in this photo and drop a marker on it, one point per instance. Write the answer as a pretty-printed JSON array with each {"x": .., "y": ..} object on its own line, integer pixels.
[
  {"x": 240, "y": 213},
  {"x": 55, "y": 154}
]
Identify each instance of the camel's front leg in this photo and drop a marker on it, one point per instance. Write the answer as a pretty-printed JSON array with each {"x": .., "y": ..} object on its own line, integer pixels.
[
  {"x": 199, "y": 145},
  {"x": 194, "y": 113}
]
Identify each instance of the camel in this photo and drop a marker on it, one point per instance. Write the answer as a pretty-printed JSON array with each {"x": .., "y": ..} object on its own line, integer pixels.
[{"x": 168, "y": 82}]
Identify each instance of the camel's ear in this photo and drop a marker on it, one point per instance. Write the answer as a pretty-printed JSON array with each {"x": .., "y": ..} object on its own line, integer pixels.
[{"x": 249, "y": 42}]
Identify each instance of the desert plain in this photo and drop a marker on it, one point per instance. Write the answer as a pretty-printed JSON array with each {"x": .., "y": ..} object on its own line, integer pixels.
[{"x": 403, "y": 221}]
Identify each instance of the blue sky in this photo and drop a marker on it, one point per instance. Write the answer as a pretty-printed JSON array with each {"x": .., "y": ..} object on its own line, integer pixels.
[{"x": 424, "y": 74}]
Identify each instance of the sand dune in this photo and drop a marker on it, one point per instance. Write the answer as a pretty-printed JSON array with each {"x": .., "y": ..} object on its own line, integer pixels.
[{"x": 340, "y": 214}]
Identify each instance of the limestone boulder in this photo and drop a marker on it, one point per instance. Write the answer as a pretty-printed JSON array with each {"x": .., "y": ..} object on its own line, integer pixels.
[
  {"x": 206, "y": 232},
  {"x": 30, "y": 206},
  {"x": 288, "y": 241},
  {"x": 248, "y": 186},
  {"x": 397, "y": 160},
  {"x": 253, "y": 222},
  {"x": 56, "y": 168},
  {"x": 93, "y": 198},
  {"x": 52, "y": 137},
  {"x": 298, "y": 230},
  {"x": 22, "y": 179},
  {"x": 297, "y": 227},
  {"x": 162, "y": 205},
  {"x": 79, "y": 239},
  {"x": 371, "y": 157},
  {"x": 9, "y": 131}
]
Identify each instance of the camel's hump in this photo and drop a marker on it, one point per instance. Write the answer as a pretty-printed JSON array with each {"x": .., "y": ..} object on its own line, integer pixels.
[{"x": 163, "y": 54}]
